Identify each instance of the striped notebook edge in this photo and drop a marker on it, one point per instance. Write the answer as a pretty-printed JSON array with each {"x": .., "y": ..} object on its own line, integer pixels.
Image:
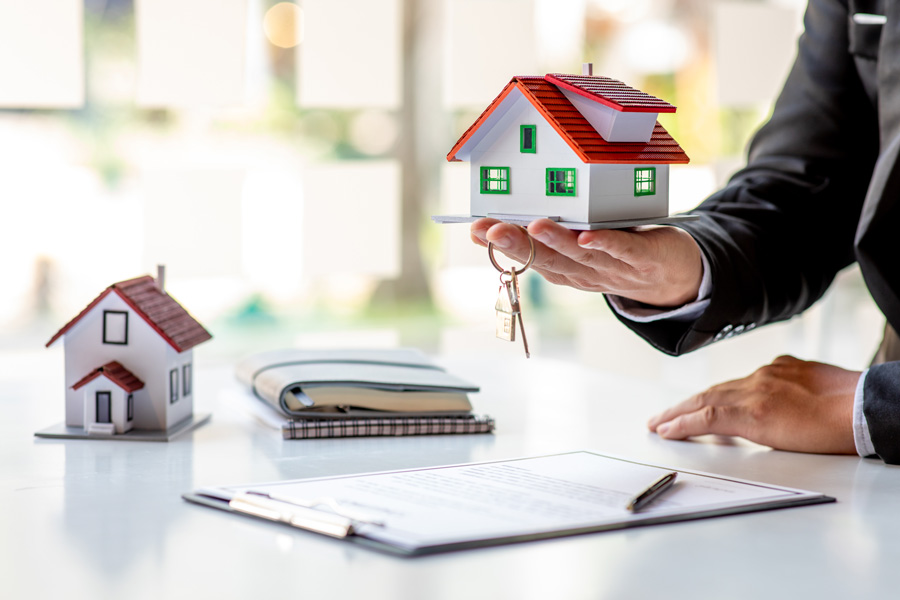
[{"x": 303, "y": 429}]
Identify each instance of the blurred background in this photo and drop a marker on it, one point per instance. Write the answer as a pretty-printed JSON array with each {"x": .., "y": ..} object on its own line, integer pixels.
[{"x": 282, "y": 159}]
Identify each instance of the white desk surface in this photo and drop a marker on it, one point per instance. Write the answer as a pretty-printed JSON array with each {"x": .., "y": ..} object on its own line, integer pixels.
[{"x": 90, "y": 519}]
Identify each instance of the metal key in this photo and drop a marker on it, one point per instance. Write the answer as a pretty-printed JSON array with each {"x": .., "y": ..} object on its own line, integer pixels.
[
  {"x": 506, "y": 318},
  {"x": 513, "y": 286},
  {"x": 508, "y": 306}
]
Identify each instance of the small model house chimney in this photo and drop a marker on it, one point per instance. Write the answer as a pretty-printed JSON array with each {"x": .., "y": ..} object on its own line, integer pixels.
[
  {"x": 587, "y": 69},
  {"x": 161, "y": 278}
]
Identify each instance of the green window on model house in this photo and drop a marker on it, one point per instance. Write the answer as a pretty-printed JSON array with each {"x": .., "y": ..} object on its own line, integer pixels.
[
  {"x": 528, "y": 138},
  {"x": 645, "y": 181},
  {"x": 561, "y": 182},
  {"x": 494, "y": 180}
]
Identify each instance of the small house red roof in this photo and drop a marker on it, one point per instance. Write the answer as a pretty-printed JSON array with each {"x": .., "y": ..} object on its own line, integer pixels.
[
  {"x": 575, "y": 130},
  {"x": 611, "y": 92},
  {"x": 168, "y": 318},
  {"x": 116, "y": 373}
]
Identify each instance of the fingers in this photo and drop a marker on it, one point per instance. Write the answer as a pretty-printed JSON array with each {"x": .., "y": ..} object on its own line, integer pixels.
[
  {"x": 717, "y": 410},
  {"x": 565, "y": 242},
  {"x": 786, "y": 359},
  {"x": 478, "y": 230},
  {"x": 513, "y": 241},
  {"x": 720, "y": 395},
  {"x": 720, "y": 420},
  {"x": 619, "y": 244}
]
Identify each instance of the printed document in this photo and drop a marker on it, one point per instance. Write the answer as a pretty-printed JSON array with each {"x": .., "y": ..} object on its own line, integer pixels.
[{"x": 529, "y": 498}]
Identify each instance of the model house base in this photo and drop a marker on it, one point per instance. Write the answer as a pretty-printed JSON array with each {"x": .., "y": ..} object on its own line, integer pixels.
[
  {"x": 525, "y": 220},
  {"x": 61, "y": 431}
]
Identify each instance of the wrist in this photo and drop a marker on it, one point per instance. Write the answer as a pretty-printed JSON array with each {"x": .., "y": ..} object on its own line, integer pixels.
[{"x": 688, "y": 279}]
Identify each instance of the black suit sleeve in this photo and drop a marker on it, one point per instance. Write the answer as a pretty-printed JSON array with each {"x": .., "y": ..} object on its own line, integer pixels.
[
  {"x": 783, "y": 227},
  {"x": 883, "y": 411}
]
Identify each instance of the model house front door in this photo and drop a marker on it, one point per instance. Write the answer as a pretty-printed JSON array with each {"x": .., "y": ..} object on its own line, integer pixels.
[{"x": 104, "y": 413}]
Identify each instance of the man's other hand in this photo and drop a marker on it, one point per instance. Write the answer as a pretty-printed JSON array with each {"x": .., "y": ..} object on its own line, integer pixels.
[{"x": 790, "y": 404}]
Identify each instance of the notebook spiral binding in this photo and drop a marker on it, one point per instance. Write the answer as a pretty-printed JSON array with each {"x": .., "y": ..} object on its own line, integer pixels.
[{"x": 300, "y": 429}]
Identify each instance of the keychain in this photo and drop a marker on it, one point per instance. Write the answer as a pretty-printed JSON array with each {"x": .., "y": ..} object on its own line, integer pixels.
[{"x": 508, "y": 306}]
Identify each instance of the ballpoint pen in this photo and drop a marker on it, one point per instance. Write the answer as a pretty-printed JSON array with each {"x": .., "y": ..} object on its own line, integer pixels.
[{"x": 653, "y": 491}]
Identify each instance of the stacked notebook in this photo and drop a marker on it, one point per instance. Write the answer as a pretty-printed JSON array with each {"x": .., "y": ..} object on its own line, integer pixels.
[{"x": 349, "y": 393}]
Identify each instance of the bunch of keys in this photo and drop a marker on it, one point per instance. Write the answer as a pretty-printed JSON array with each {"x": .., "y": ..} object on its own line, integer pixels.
[{"x": 508, "y": 306}]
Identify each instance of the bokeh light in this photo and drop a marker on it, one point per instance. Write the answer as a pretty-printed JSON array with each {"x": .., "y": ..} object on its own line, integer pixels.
[{"x": 283, "y": 25}]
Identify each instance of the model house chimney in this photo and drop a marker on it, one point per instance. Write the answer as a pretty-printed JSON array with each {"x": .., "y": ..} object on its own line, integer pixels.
[
  {"x": 587, "y": 69},
  {"x": 161, "y": 278}
]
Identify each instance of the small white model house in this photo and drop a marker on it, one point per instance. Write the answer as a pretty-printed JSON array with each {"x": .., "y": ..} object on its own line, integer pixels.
[
  {"x": 585, "y": 151},
  {"x": 129, "y": 365}
]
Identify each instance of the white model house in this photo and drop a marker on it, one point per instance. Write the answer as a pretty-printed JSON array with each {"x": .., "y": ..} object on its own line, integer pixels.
[
  {"x": 129, "y": 360},
  {"x": 578, "y": 149}
]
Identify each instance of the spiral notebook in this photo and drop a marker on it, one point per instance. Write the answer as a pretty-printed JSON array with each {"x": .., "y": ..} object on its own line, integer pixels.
[{"x": 309, "y": 394}]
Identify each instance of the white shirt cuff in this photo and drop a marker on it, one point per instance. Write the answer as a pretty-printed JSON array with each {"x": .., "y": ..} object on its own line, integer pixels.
[
  {"x": 643, "y": 313},
  {"x": 861, "y": 436}
]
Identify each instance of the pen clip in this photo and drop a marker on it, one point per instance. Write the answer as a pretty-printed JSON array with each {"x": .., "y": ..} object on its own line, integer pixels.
[{"x": 651, "y": 492}]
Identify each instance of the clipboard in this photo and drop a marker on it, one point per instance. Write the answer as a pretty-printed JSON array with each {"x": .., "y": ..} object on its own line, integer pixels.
[{"x": 415, "y": 512}]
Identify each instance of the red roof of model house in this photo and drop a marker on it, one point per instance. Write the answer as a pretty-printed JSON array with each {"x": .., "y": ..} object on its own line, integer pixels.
[
  {"x": 545, "y": 95},
  {"x": 116, "y": 373},
  {"x": 168, "y": 318}
]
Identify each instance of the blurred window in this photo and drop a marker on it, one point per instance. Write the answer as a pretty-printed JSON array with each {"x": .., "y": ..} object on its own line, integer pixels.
[
  {"x": 186, "y": 379},
  {"x": 173, "y": 386}
]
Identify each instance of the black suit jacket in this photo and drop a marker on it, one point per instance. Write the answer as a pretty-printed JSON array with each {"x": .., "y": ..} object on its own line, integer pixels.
[{"x": 820, "y": 191}]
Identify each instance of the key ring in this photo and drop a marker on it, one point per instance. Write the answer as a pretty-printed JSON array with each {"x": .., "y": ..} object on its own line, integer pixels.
[{"x": 513, "y": 270}]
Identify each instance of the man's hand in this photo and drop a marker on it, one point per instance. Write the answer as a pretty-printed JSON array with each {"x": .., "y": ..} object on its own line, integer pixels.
[
  {"x": 659, "y": 265},
  {"x": 791, "y": 404}
]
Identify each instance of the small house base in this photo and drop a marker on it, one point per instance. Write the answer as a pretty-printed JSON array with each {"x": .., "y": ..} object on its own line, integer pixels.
[
  {"x": 524, "y": 220},
  {"x": 61, "y": 431}
]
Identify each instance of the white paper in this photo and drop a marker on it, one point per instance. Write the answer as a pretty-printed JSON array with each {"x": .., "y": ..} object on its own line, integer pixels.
[{"x": 526, "y": 497}]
